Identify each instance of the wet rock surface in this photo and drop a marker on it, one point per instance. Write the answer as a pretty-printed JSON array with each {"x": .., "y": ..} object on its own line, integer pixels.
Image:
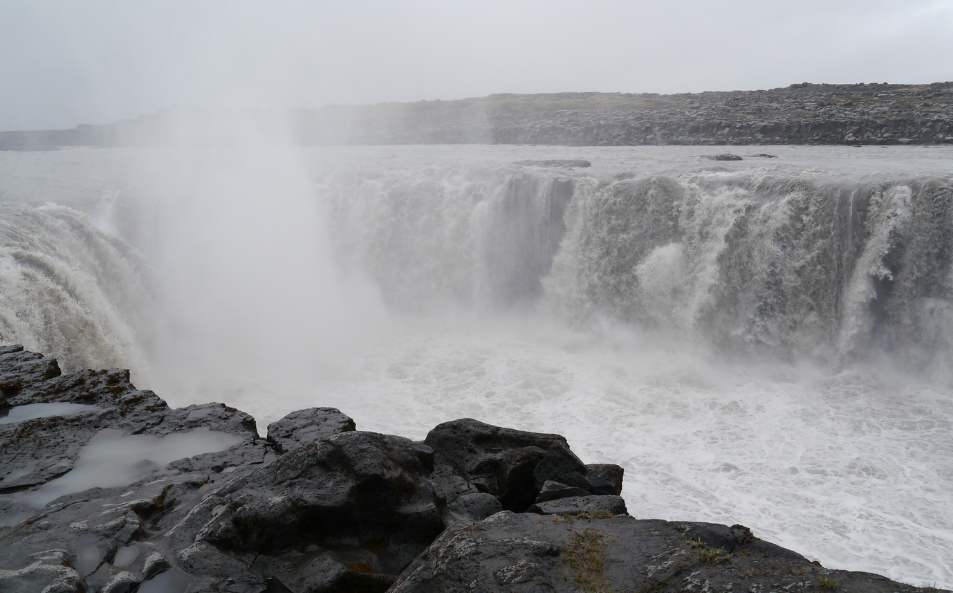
[
  {"x": 580, "y": 504},
  {"x": 512, "y": 552},
  {"x": 22, "y": 368},
  {"x": 321, "y": 507},
  {"x": 306, "y": 426},
  {"x": 355, "y": 507},
  {"x": 514, "y": 465}
]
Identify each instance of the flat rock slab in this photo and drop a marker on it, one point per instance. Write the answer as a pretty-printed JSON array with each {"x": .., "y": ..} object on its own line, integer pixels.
[
  {"x": 576, "y": 505},
  {"x": 523, "y": 553}
]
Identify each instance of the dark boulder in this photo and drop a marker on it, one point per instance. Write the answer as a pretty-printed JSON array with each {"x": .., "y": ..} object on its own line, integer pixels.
[
  {"x": 473, "y": 506},
  {"x": 604, "y": 478},
  {"x": 355, "y": 486},
  {"x": 513, "y": 465},
  {"x": 498, "y": 461},
  {"x": 464, "y": 501},
  {"x": 561, "y": 465},
  {"x": 354, "y": 508},
  {"x": 306, "y": 426}
]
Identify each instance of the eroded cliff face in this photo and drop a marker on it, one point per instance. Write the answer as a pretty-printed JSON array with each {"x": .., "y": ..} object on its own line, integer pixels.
[
  {"x": 106, "y": 488},
  {"x": 799, "y": 114}
]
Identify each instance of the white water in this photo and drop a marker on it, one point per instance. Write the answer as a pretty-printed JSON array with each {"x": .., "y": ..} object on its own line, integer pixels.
[{"x": 709, "y": 326}]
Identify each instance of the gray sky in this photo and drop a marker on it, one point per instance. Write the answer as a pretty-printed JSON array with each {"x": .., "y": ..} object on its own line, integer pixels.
[{"x": 65, "y": 62}]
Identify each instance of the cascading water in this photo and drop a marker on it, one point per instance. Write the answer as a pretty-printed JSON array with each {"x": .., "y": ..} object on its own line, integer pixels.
[
  {"x": 750, "y": 263},
  {"x": 71, "y": 289},
  {"x": 482, "y": 239},
  {"x": 765, "y": 342}
]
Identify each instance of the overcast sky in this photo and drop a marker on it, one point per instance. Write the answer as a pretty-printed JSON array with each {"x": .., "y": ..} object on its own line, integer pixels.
[{"x": 67, "y": 62}]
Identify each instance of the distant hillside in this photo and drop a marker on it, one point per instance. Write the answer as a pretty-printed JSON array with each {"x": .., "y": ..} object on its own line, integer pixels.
[{"x": 799, "y": 114}]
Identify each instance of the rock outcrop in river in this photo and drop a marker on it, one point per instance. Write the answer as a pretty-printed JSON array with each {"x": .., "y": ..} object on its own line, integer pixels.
[
  {"x": 104, "y": 488},
  {"x": 799, "y": 114}
]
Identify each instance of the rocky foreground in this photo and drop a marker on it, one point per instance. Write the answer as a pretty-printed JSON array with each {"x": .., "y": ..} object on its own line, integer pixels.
[
  {"x": 857, "y": 114},
  {"x": 318, "y": 506}
]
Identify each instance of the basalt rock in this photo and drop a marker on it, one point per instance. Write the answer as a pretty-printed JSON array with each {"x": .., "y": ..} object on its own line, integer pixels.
[
  {"x": 556, "y": 490},
  {"x": 34, "y": 452},
  {"x": 604, "y": 478},
  {"x": 520, "y": 553},
  {"x": 463, "y": 500},
  {"x": 81, "y": 541},
  {"x": 562, "y": 466},
  {"x": 498, "y": 461},
  {"x": 512, "y": 465},
  {"x": 19, "y": 367},
  {"x": 581, "y": 505},
  {"x": 306, "y": 426},
  {"x": 356, "y": 506}
]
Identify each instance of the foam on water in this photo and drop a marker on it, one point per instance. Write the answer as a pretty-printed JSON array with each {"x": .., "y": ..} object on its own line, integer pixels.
[
  {"x": 32, "y": 411},
  {"x": 112, "y": 458}
]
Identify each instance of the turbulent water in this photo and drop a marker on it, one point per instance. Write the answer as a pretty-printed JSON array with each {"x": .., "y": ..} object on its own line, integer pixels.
[{"x": 766, "y": 341}]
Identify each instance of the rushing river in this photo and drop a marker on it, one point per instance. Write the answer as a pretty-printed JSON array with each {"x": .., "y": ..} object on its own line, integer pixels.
[{"x": 766, "y": 341}]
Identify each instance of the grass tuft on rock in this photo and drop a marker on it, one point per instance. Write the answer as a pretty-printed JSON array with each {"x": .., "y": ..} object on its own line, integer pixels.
[
  {"x": 696, "y": 543},
  {"x": 713, "y": 556},
  {"x": 584, "y": 559},
  {"x": 829, "y": 583}
]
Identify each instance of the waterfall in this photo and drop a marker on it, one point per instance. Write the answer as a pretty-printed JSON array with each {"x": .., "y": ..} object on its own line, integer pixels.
[
  {"x": 752, "y": 264},
  {"x": 69, "y": 289}
]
